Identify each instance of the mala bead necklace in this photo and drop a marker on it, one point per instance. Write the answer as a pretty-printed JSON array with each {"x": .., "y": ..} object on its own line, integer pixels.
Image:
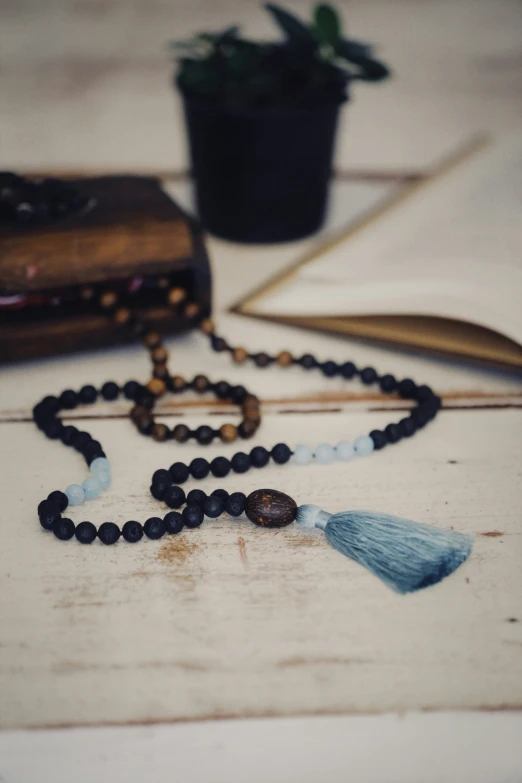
[{"x": 406, "y": 555}]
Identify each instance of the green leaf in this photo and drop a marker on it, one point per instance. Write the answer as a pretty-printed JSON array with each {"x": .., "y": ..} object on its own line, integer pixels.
[
  {"x": 293, "y": 28},
  {"x": 327, "y": 24}
]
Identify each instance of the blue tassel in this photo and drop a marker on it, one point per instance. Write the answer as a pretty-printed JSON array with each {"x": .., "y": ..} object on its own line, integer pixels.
[{"x": 406, "y": 555}]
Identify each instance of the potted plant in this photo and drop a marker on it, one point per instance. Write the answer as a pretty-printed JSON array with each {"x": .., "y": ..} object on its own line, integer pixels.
[{"x": 261, "y": 120}]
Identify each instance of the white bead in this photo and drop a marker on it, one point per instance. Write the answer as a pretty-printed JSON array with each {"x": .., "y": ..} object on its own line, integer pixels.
[
  {"x": 344, "y": 451},
  {"x": 324, "y": 453},
  {"x": 104, "y": 478},
  {"x": 92, "y": 488},
  {"x": 303, "y": 455},
  {"x": 100, "y": 463},
  {"x": 75, "y": 494},
  {"x": 363, "y": 445}
]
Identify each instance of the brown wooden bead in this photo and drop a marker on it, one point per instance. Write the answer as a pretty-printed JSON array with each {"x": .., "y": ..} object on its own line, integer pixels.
[
  {"x": 253, "y": 416},
  {"x": 159, "y": 355},
  {"x": 160, "y": 432},
  {"x": 176, "y": 296},
  {"x": 270, "y": 508},
  {"x": 157, "y": 387},
  {"x": 122, "y": 316},
  {"x": 145, "y": 423},
  {"x": 247, "y": 428},
  {"x": 137, "y": 412},
  {"x": 151, "y": 340},
  {"x": 201, "y": 383},
  {"x": 161, "y": 371},
  {"x": 108, "y": 299},
  {"x": 181, "y": 433},
  {"x": 251, "y": 403},
  {"x": 178, "y": 383},
  {"x": 207, "y": 326},
  {"x": 239, "y": 355},
  {"x": 284, "y": 359},
  {"x": 228, "y": 433},
  {"x": 192, "y": 310}
]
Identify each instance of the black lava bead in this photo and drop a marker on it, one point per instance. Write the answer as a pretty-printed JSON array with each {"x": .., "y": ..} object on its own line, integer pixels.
[
  {"x": 63, "y": 529},
  {"x": 388, "y": 383},
  {"x": 199, "y": 468},
  {"x": 48, "y": 514},
  {"x": 329, "y": 368},
  {"x": 59, "y": 498},
  {"x": 179, "y": 472},
  {"x": 51, "y": 403},
  {"x": 87, "y": 395},
  {"x": 218, "y": 344},
  {"x": 213, "y": 506},
  {"x": 348, "y": 370},
  {"x": 407, "y": 388},
  {"x": 281, "y": 453},
  {"x": 220, "y": 467},
  {"x": 173, "y": 522},
  {"x": 196, "y": 497},
  {"x": 238, "y": 394},
  {"x": 131, "y": 389},
  {"x": 68, "y": 399},
  {"x": 192, "y": 516},
  {"x": 407, "y": 427},
  {"x": 423, "y": 393},
  {"x": 110, "y": 390},
  {"x": 159, "y": 488},
  {"x": 221, "y": 493},
  {"x": 222, "y": 389},
  {"x": 368, "y": 375},
  {"x": 240, "y": 462},
  {"x": 307, "y": 361},
  {"x": 420, "y": 417},
  {"x": 393, "y": 433},
  {"x": 154, "y": 528},
  {"x": 53, "y": 428},
  {"x": 235, "y": 505},
  {"x": 259, "y": 456},
  {"x": 108, "y": 533},
  {"x": 174, "y": 497},
  {"x": 379, "y": 439},
  {"x": 85, "y": 532},
  {"x": 80, "y": 440},
  {"x": 204, "y": 435},
  {"x": 68, "y": 434},
  {"x": 132, "y": 531},
  {"x": 161, "y": 475}
]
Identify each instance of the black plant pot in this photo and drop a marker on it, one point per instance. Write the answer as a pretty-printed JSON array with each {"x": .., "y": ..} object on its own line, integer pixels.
[{"x": 261, "y": 174}]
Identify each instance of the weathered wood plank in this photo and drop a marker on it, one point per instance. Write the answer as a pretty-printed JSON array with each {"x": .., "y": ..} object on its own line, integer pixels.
[{"x": 231, "y": 620}]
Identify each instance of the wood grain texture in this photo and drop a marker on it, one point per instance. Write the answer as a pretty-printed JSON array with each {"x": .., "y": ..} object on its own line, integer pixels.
[{"x": 234, "y": 620}]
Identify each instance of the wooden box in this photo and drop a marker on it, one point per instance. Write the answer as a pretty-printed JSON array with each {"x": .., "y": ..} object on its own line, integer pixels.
[{"x": 134, "y": 240}]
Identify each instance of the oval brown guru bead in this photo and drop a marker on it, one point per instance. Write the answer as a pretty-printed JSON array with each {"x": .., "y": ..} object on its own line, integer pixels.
[{"x": 270, "y": 508}]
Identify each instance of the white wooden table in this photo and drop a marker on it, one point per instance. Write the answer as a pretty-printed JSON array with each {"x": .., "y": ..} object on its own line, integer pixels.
[{"x": 123, "y": 662}]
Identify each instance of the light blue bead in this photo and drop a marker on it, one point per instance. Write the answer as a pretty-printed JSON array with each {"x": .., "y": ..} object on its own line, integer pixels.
[
  {"x": 303, "y": 455},
  {"x": 100, "y": 463},
  {"x": 104, "y": 479},
  {"x": 92, "y": 488},
  {"x": 75, "y": 494},
  {"x": 324, "y": 453},
  {"x": 363, "y": 445},
  {"x": 344, "y": 451}
]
